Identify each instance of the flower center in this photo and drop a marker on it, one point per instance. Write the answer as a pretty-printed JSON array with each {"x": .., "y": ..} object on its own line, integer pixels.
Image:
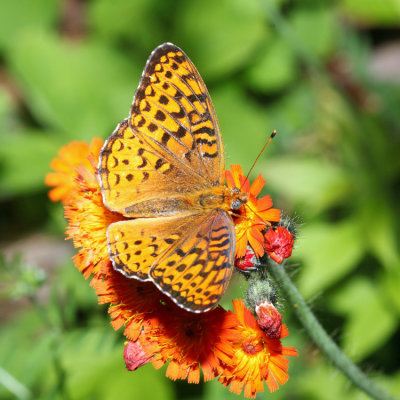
[
  {"x": 193, "y": 328},
  {"x": 249, "y": 348},
  {"x": 252, "y": 346}
]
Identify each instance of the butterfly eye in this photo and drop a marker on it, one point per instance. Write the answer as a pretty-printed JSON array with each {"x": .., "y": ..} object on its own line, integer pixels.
[
  {"x": 236, "y": 204},
  {"x": 237, "y": 198},
  {"x": 235, "y": 191}
]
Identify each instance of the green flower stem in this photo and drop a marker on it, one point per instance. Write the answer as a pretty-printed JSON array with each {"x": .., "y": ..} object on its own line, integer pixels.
[{"x": 322, "y": 339}]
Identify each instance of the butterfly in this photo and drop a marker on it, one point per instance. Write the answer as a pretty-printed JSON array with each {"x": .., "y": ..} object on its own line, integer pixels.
[{"x": 164, "y": 169}]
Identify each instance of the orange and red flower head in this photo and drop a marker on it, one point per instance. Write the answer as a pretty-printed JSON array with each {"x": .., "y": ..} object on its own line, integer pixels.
[
  {"x": 254, "y": 216},
  {"x": 235, "y": 346}
]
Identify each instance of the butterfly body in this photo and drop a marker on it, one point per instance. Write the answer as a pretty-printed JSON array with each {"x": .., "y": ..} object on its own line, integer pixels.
[
  {"x": 205, "y": 200},
  {"x": 163, "y": 168}
]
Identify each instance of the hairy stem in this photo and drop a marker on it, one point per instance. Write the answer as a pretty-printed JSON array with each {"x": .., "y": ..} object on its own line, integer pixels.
[{"x": 322, "y": 339}]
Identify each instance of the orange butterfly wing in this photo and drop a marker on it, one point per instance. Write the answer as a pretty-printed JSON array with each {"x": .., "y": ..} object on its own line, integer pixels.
[
  {"x": 151, "y": 167},
  {"x": 173, "y": 137},
  {"x": 197, "y": 271},
  {"x": 188, "y": 257}
]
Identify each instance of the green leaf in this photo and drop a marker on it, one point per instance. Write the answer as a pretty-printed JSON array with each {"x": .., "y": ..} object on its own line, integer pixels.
[
  {"x": 81, "y": 89},
  {"x": 18, "y": 16},
  {"x": 311, "y": 183},
  {"x": 371, "y": 12},
  {"x": 24, "y": 160},
  {"x": 370, "y": 322},
  {"x": 125, "y": 21},
  {"x": 243, "y": 124},
  {"x": 383, "y": 237},
  {"x": 96, "y": 369},
  {"x": 391, "y": 284},
  {"x": 28, "y": 363},
  {"x": 328, "y": 253},
  {"x": 315, "y": 29},
  {"x": 273, "y": 69},
  {"x": 220, "y": 36}
]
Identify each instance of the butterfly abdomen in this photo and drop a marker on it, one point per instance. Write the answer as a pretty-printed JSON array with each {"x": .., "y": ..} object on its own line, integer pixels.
[
  {"x": 202, "y": 201},
  {"x": 156, "y": 208}
]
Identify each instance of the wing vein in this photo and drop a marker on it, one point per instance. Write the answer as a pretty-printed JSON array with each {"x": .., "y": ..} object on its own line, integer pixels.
[
  {"x": 167, "y": 150},
  {"x": 207, "y": 110}
]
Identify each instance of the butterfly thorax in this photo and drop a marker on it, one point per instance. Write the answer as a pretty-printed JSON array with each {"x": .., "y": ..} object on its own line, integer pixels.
[{"x": 221, "y": 197}]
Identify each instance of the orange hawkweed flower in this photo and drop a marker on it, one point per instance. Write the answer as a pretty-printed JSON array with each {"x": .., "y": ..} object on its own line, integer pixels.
[
  {"x": 217, "y": 342},
  {"x": 77, "y": 187},
  {"x": 88, "y": 218},
  {"x": 250, "y": 357},
  {"x": 255, "y": 215},
  {"x": 65, "y": 167},
  {"x": 163, "y": 331},
  {"x": 187, "y": 341},
  {"x": 133, "y": 303},
  {"x": 88, "y": 221}
]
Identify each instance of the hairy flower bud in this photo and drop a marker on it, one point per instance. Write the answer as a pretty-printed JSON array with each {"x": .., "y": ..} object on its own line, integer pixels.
[
  {"x": 134, "y": 356},
  {"x": 269, "y": 319},
  {"x": 248, "y": 262},
  {"x": 278, "y": 243}
]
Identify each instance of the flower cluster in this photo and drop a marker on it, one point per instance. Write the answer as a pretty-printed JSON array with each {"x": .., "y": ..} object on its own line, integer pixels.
[
  {"x": 242, "y": 351},
  {"x": 257, "y": 224}
]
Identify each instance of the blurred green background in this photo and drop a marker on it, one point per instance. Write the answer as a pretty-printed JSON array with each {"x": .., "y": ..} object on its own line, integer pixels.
[{"x": 325, "y": 74}]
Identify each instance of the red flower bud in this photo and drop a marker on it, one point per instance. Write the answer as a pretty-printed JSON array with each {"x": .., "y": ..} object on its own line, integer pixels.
[
  {"x": 134, "y": 356},
  {"x": 278, "y": 243},
  {"x": 269, "y": 319},
  {"x": 246, "y": 263}
]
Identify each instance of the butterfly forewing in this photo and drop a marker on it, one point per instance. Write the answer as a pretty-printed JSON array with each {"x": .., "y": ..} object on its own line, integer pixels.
[
  {"x": 172, "y": 111},
  {"x": 132, "y": 173}
]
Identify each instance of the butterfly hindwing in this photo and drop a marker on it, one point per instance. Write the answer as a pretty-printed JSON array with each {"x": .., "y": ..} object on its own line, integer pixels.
[
  {"x": 136, "y": 244},
  {"x": 196, "y": 272},
  {"x": 188, "y": 257}
]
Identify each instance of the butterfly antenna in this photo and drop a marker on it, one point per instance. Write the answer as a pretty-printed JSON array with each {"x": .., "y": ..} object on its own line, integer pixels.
[{"x": 259, "y": 155}]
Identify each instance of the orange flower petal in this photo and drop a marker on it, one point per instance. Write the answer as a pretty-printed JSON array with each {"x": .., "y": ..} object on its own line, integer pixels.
[
  {"x": 65, "y": 166},
  {"x": 229, "y": 179},
  {"x": 257, "y": 185},
  {"x": 256, "y": 240},
  {"x": 237, "y": 172},
  {"x": 264, "y": 203},
  {"x": 273, "y": 215}
]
